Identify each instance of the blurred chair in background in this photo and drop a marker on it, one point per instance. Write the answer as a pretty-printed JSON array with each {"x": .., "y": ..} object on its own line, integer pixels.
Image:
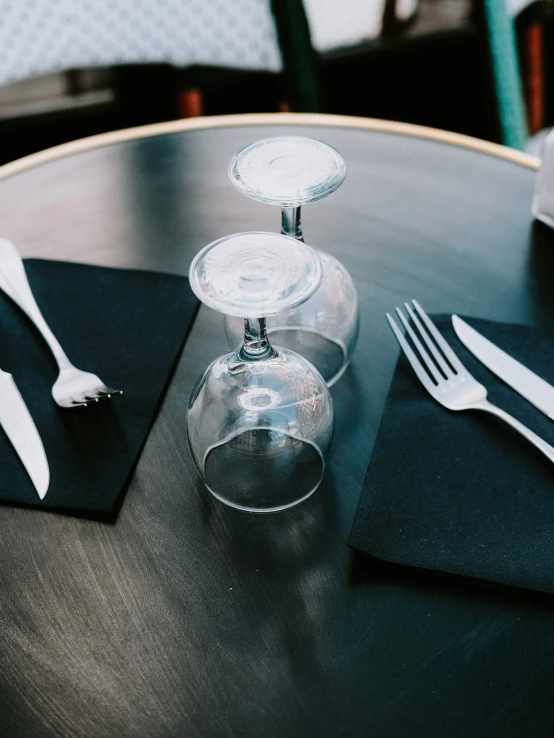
[
  {"x": 506, "y": 73},
  {"x": 515, "y": 32},
  {"x": 516, "y": 119},
  {"x": 355, "y": 27},
  {"x": 310, "y": 29}
]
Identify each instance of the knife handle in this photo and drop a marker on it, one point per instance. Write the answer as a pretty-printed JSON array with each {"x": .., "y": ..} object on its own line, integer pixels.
[
  {"x": 526, "y": 432},
  {"x": 14, "y": 282}
]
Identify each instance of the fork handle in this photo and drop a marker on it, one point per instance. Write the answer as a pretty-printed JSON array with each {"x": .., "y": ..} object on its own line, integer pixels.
[
  {"x": 13, "y": 281},
  {"x": 526, "y": 432}
]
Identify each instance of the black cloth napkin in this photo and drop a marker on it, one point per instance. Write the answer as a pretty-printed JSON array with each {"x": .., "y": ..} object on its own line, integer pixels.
[
  {"x": 461, "y": 492},
  {"x": 126, "y": 326}
]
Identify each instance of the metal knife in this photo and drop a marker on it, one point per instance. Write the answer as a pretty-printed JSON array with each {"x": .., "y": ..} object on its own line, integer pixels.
[
  {"x": 20, "y": 428},
  {"x": 538, "y": 392}
]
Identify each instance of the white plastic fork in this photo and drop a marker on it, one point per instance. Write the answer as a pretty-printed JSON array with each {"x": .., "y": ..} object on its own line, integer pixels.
[
  {"x": 444, "y": 376},
  {"x": 73, "y": 387}
]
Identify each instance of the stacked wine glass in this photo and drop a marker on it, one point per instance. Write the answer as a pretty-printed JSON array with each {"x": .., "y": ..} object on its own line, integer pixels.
[{"x": 260, "y": 418}]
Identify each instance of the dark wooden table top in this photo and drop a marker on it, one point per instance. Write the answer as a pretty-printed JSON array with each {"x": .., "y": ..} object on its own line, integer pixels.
[{"x": 189, "y": 618}]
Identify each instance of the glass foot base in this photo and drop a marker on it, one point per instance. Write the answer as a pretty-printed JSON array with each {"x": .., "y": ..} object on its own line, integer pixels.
[
  {"x": 288, "y": 171},
  {"x": 254, "y": 275}
]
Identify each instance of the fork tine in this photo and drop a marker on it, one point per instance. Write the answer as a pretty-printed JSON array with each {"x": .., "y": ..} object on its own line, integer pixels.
[
  {"x": 417, "y": 366},
  {"x": 93, "y": 397},
  {"x": 446, "y": 370},
  {"x": 447, "y": 351},
  {"x": 427, "y": 360}
]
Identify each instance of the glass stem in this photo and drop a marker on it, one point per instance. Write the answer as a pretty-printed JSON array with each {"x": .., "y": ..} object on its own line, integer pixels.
[
  {"x": 291, "y": 224},
  {"x": 256, "y": 343}
]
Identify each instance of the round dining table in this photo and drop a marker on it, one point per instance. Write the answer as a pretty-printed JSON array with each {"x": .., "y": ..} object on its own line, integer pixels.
[{"x": 184, "y": 617}]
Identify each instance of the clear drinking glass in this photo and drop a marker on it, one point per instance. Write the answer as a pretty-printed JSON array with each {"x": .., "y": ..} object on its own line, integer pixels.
[
  {"x": 290, "y": 171},
  {"x": 260, "y": 418}
]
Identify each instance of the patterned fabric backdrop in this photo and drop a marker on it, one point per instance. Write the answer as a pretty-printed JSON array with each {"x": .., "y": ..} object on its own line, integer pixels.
[{"x": 40, "y": 36}]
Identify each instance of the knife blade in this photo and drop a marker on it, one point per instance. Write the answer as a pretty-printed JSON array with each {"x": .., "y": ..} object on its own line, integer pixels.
[
  {"x": 528, "y": 384},
  {"x": 20, "y": 428}
]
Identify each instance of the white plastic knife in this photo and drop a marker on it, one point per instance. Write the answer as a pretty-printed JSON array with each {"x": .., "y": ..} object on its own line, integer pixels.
[
  {"x": 20, "y": 428},
  {"x": 536, "y": 390}
]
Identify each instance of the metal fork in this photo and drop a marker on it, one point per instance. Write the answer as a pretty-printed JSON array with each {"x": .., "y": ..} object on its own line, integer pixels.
[
  {"x": 73, "y": 387},
  {"x": 444, "y": 376}
]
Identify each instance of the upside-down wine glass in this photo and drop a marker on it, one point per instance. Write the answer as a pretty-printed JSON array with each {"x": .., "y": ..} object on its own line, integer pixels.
[
  {"x": 260, "y": 418},
  {"x": 291, "y": 171}
]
